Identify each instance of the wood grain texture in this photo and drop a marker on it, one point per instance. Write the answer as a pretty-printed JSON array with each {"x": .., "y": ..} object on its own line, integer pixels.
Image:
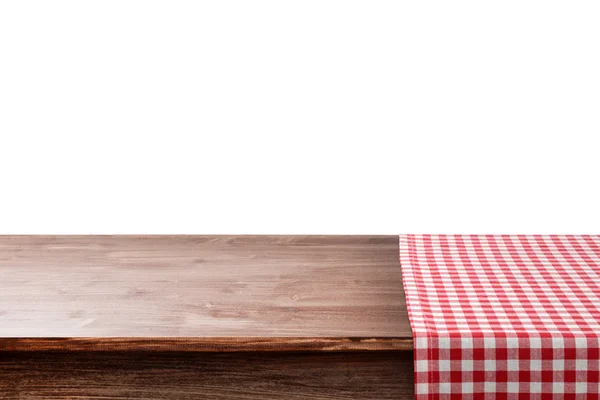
[
  {"x": 187, "y": 376},
  {"x": 197, "y": 293},
  {"x": 207, "y": 344}
]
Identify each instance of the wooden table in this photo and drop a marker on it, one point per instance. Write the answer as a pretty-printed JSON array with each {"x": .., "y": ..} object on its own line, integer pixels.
[{"x": 193, "y": 317}]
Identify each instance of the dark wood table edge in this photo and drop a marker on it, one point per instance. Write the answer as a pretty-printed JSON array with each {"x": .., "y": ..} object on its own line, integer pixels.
[{"x": 208, "y": 344}]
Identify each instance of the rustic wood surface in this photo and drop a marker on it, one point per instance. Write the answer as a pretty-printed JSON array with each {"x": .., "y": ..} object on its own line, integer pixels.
[
  {"x": 207, "y": 344},
  {"x": 186, "y": 376},
  {"x": 208, "y": 292}
]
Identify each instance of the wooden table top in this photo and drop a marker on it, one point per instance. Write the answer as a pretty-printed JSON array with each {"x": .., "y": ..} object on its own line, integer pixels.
[{"x": 202, "y": 293}]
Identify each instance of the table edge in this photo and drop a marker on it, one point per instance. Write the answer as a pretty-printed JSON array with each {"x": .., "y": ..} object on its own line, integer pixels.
[{"x": 207, "y": 344}]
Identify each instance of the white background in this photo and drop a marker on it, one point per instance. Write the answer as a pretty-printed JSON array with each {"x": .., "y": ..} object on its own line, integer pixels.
[{"x": 299, "y": 116}]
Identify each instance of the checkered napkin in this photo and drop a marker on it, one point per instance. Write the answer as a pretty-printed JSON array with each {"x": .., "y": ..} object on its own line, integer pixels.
[{"x": 504, "y": 317}]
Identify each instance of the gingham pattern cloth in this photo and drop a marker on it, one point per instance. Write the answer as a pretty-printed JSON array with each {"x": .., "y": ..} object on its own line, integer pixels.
[{"x": 502, "y": 316}]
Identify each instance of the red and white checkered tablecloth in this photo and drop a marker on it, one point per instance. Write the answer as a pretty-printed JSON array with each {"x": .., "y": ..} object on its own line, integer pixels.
[{"x": 502, "y": 316}]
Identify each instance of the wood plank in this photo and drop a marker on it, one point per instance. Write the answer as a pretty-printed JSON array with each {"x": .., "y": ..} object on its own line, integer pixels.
[
  {"x": 186, "y": 376},
  {"x": 209, "y": 292},
  {"x": 207, "y": 344}
]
